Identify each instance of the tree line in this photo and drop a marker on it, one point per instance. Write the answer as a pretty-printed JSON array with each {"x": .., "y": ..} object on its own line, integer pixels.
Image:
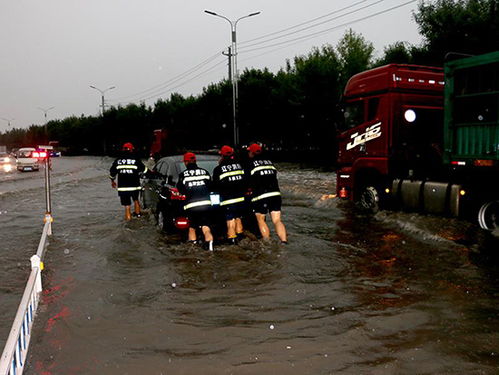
[{"x": 294, "y": 111}]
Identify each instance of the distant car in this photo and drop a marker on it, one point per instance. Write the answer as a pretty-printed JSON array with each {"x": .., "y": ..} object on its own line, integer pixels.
[
  {"x": 26, "y": 159},
  {"x": 55, "y": 154},
  {"x": 7, "y": 162},
  {"x": 161, "y": 196}
]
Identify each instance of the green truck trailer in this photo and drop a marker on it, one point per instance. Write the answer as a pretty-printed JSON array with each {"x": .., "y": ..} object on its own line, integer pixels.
[{"x": 471, "y": 132}]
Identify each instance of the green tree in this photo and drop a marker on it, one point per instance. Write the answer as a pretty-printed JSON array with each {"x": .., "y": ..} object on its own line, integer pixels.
[
  {"x": 316, "y": 79},
  {"x": 256, "y": 101},
  {"x": 462, "y": 26},
  {"x": 215, "y": 112},
  {"x": 355, "y": 55},
  {"x": 398, "y": 53}
]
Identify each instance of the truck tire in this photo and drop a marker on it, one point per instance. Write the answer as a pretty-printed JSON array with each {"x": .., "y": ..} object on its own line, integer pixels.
[
  {"x": 369, "y": 199},
  {"x": 488, "y": 215}
]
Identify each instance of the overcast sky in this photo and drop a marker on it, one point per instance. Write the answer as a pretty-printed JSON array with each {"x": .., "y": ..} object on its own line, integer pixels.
[{"x": 51, "y": 51}]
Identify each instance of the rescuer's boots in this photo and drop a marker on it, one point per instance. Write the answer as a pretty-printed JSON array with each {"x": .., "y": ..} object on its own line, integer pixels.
[
  {"x": 208, "y": 245},
  {"x": 233, "y": 241}
]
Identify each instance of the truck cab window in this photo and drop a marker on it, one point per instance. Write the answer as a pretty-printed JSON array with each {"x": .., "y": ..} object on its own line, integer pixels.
[
  {"x": 372, "y": 108},
  {"x": 354, "y": 114}
]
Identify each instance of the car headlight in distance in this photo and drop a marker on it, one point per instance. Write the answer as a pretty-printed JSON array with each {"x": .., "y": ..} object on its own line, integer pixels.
[{"x": 7, "y": 167}]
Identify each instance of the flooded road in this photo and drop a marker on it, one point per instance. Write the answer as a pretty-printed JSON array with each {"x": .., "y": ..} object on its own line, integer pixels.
[{"x": 391, "y": 294}]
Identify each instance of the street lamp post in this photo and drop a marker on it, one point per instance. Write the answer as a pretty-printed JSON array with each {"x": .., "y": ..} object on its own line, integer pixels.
[
  {"x": 102, "y": 96},
  {"x": 234, "y": 78},
  {"x": 8, "y": 121},
  {"x": 45, "y": 110}
]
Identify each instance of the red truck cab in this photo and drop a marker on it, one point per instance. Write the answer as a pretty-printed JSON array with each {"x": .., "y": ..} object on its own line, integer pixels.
[{"x": 392, "y": 128}]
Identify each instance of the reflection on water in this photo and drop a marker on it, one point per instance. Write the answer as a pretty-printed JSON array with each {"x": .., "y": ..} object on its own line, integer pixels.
[{"x": 391, "y": 294}]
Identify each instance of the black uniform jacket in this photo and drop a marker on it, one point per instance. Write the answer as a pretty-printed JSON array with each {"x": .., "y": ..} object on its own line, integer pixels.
[
  {"x": 195, "y": 183},
  {"x": 230, "y": 182},
  {"x": 262, "y": 178},
  {"x": 128, "y": 169}
]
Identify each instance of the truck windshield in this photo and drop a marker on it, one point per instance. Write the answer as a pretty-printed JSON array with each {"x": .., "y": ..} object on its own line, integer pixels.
[
  {"x": 25, "y": 154},
  {"x": 354, "y": 113}
]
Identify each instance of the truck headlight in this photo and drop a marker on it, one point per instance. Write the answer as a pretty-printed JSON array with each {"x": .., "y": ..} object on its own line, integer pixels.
[{"x": 410, "y": 115}]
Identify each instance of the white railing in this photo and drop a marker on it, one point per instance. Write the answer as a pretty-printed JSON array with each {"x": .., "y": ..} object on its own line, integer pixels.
[{"x": 14, "y": 355}]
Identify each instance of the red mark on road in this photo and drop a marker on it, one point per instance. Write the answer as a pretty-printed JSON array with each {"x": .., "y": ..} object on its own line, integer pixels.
[{"x": 64, "y": 313}]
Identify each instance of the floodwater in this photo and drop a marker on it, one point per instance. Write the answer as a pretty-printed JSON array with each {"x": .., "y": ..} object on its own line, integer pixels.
[{"x": 396, "y": 293}]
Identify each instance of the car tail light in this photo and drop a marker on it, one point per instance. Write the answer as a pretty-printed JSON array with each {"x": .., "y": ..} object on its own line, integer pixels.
[
  {"x": 182, "y": 223},
  {"x": 39, "y": 154},
  {"x": 175, "y": 195}
]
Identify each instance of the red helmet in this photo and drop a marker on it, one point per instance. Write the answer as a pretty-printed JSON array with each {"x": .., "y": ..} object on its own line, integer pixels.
[
  {"x": 189, "y": 157},
  {"x": 127, "y": 147},
  {"x": 255, "y": 148},
  {"x": 226, "y": 151}
]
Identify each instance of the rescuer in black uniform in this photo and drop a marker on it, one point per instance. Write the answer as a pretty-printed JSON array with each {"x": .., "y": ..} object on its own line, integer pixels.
[
  {"x": 266, "y": 196},
  {"x": 128, "y": 169},
  {"x": 229, "y": 180},
  {"x": 194, "y": 183}
]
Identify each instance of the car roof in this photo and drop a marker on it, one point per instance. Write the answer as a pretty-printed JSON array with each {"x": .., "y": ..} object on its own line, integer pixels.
[
  {"x": 173, "y": 165},
  {"x": 201, "y": 157}
]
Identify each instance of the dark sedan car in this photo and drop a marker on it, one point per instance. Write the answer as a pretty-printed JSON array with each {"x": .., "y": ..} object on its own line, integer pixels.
[{"x": 161, "y": 196}]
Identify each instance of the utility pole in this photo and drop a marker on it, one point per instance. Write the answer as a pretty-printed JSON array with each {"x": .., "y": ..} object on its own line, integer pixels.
[{"x": 229, "y": 55}]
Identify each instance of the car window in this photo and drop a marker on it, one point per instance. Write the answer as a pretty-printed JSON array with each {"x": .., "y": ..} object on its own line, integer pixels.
[
  {"x": 209, "y": 165},
  {"x": 162, "y": 167}
]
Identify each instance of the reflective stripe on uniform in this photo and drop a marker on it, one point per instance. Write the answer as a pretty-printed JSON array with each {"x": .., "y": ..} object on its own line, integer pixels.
[
  {"x": 228, "y": 174},
  {"x": 266, "y": 195},
  {"x": 232, "y": 201},
  {"x": 262, "y": 167},
  {"x": 196, "y": 178},
  {"x": 197, "y": 204},
  {"x": 126, "y": 167},
  {"x": 129, "y": 188}
]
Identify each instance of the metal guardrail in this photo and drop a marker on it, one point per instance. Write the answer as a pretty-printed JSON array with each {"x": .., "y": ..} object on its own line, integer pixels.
[{"x": 14, "y": 355}]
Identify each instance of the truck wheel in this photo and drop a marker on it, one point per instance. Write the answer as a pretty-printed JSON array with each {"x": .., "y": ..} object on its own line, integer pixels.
[
  {"x": 369, "y": 199},
  {"x": 488, "y": 215}
]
